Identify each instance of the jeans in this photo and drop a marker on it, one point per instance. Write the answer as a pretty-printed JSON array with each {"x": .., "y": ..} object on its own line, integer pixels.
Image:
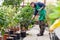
[{"x": 42, "y": 27}]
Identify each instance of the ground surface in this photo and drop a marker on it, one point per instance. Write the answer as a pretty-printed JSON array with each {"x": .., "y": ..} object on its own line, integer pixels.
[{"x": 33, "y": 36}]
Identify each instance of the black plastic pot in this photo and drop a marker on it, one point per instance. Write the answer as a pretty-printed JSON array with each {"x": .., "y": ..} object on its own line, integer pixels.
[
  {"x": 10, "y": 38},
  {"x": 23, "y": 34},
  {"x": 18, "y": 35},
  {"x": 11, "y": 32},
  {"x": 14, "y": 36}
]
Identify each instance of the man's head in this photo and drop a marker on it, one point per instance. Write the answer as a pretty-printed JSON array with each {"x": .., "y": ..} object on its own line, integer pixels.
[{"x": 32, "y": 4}]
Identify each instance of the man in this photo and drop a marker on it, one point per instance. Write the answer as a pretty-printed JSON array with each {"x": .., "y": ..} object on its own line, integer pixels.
[{"x": 39, "y": 8}]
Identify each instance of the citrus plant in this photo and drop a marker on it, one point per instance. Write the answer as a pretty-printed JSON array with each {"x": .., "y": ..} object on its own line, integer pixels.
[
  {"x": 26, "y": 15},
  {"x": 7, "y": 15}
]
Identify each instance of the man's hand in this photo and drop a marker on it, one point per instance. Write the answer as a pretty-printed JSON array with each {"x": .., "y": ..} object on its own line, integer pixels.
[{"x": 33, "y": 16}]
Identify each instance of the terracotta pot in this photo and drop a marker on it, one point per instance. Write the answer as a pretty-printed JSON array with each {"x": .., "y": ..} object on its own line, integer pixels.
[
  {"x": 5, "y": 36},
  {"x": 0, "y": 38}
]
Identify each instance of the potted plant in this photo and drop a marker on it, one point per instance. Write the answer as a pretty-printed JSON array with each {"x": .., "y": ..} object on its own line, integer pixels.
[{"x": 26, "y": 14}]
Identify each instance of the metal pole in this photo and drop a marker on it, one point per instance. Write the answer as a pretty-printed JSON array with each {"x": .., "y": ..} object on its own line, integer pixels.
[
  {"x": 36, "y": 0},
  {"x": 44, "y": 1},
  {"x": 23, "y": 4}
]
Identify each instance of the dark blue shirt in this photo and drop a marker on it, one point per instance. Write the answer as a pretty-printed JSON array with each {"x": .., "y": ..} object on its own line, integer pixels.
[{"x": 40, "y": 5}]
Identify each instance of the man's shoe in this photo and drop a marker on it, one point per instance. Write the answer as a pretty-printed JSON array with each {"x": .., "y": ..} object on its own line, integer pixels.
[{"x": 39, "y": 34}]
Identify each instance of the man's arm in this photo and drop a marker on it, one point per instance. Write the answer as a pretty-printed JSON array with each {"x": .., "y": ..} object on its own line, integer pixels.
[
  {"x": 41, "y": 8},
  {"x": 35, "y": 13}
]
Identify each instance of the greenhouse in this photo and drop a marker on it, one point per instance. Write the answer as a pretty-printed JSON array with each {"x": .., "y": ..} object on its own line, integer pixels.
[{"x": 29, "y": 19}]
